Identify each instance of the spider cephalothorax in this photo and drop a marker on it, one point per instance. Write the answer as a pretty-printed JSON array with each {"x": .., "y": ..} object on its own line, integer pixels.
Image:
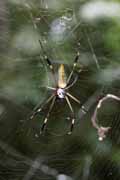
[{"x": 60, "y": 93}]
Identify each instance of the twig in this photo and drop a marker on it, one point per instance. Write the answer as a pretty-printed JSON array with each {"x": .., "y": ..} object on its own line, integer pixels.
[{"x": 102, "y": 130}]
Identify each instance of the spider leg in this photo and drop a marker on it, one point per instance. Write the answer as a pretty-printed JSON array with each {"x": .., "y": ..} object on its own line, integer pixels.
[
  {"x": 51, "y": 67},
  {"x": 47, "y": 116},
  {"x": 74, "y": 65},
  {"x": 74, "y": 98},
  {"x": 74, "y": 81},
  {"x": 73, "y": 116},
  {"x": 41, "y": 45},
  {"x": 51, "y": 88},
  {"x": 39, "y": 108}
]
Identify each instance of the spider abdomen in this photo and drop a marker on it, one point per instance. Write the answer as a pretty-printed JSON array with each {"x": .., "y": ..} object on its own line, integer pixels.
[{"x": 61, "y": 77}]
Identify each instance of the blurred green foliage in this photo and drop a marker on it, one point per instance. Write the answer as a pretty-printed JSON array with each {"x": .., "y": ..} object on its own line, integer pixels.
[{"x": 24, "y": 76}]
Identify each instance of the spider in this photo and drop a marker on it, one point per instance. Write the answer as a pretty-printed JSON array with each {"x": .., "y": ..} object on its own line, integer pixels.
[
  {"x": 60, "y": 91},
  {"x": 62, "y": 83}
]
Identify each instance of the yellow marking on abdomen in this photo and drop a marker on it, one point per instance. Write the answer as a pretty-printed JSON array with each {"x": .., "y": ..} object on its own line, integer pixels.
[{"x": 61, "y": 77}]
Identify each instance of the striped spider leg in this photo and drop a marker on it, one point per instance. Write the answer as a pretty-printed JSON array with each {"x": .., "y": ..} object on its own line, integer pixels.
[
  {"x": 102, "y": 130},
  {"x": 48, "y": 61},
  {"x": 60, "y": 92}
]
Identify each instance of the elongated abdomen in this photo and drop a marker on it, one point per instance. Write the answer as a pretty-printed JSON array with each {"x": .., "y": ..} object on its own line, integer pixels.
[{"x": 61, "y": 77}]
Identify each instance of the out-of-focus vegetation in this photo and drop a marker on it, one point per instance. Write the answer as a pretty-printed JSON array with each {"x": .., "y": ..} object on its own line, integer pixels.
[{"x": 64, "y": 27}]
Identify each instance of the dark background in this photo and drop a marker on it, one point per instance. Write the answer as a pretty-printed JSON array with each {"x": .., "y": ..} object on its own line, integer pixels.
[{"x": 64, "y": 27}]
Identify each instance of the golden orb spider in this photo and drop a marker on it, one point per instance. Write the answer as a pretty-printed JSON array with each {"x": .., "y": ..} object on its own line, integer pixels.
[
  {"x": 62, "y": 84},
  {"x": 60, "y": 91}
]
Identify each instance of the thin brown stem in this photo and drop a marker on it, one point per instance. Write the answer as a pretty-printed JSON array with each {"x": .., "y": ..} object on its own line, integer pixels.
[{"x": 102, "y": 130}]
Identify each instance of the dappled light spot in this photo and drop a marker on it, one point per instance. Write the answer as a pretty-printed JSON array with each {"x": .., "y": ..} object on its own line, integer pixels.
[{"x": 95, "y": 10}]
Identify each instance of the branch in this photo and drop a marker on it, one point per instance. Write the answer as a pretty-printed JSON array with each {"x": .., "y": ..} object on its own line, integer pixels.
[
  {"x": 90, "y": 102},
  {"x": 102, "y": 130}
]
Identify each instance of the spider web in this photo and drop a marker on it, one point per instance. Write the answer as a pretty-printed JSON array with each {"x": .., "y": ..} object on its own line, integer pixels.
[{"x": 62, "y": 29}]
